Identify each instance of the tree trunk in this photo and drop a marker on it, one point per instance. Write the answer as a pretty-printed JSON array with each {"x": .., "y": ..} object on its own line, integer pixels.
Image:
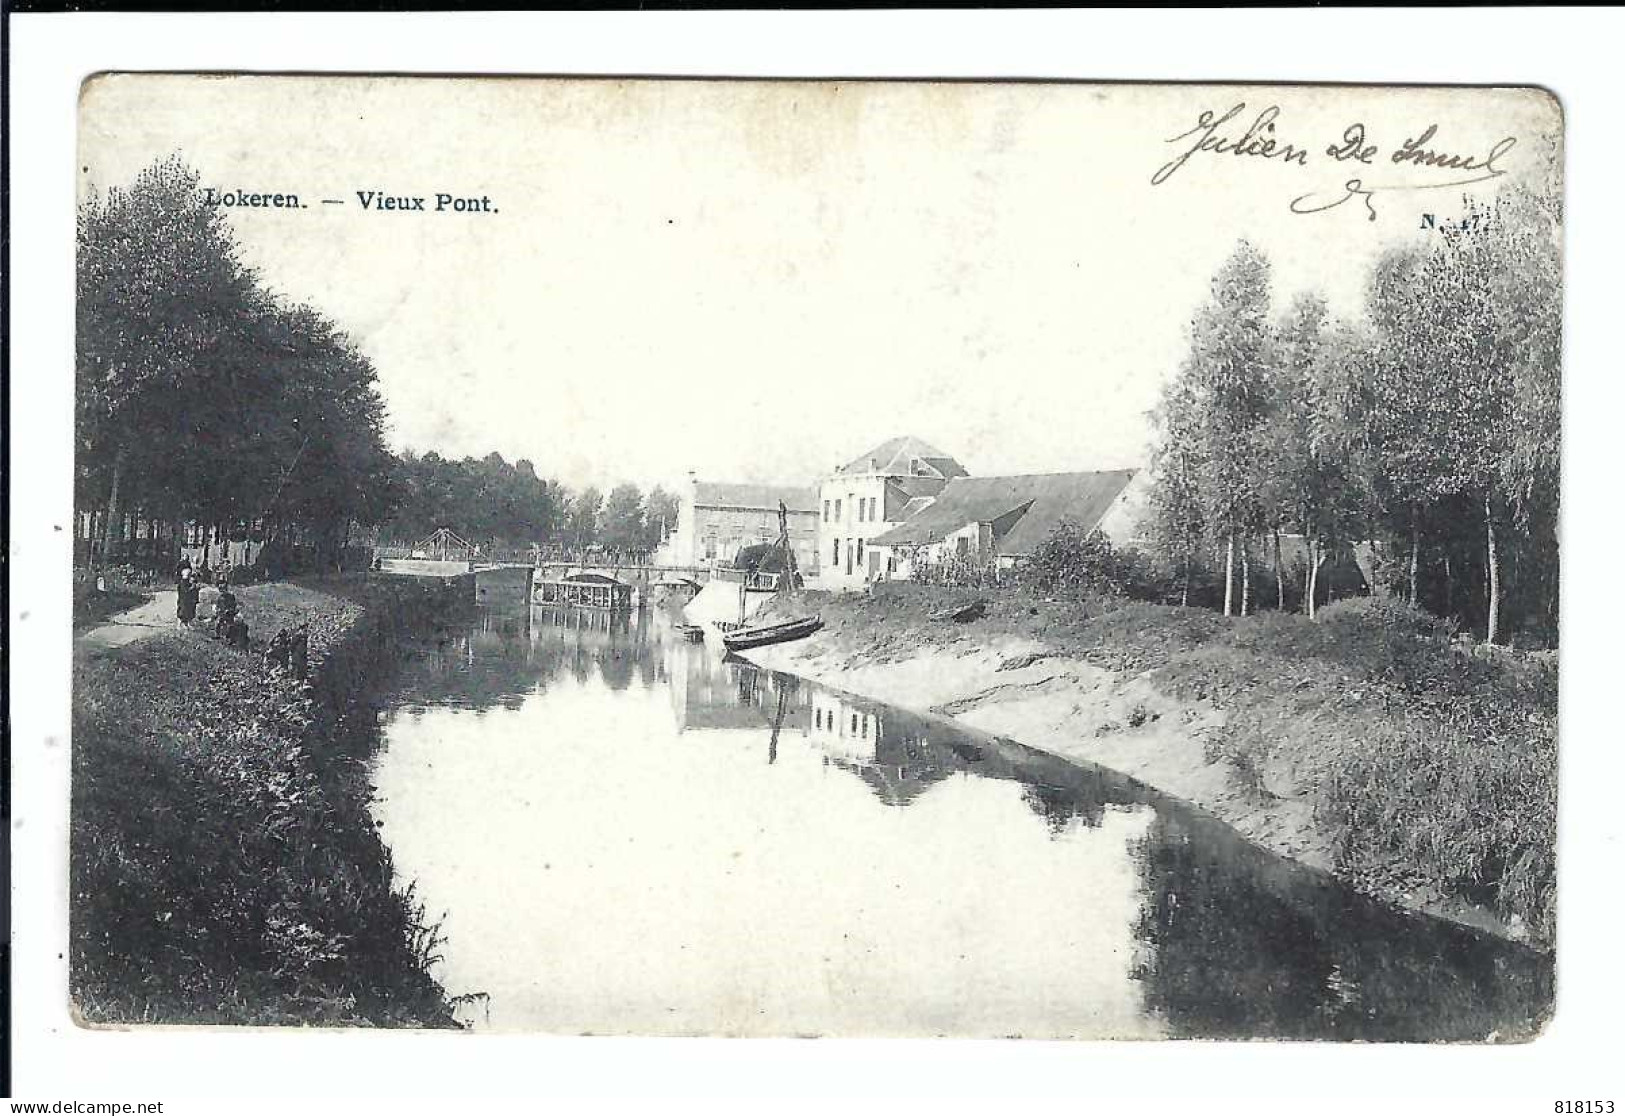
[
  {"x": 1449, "y": 587},
  {"x": 1280, "y": 578},
  {"x": 1495, "y": 573},
  {"x": 1246, "y": 580},
  {"x": 1416, "y": 545},
  {"x": 1309, "y": 576},
  {"x": 114, "y": 519},
  {"x": 1317, "y": 556},
  {"x": 1229, "y": 575},
  {"x": 1185, "y": 588}
]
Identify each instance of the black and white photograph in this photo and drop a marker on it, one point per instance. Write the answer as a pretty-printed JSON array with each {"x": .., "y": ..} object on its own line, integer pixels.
[{"x": 841, "y": 558}]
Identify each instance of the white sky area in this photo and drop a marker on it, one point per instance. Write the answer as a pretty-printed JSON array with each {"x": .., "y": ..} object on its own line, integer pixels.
[{"x": 759, "y": 281}]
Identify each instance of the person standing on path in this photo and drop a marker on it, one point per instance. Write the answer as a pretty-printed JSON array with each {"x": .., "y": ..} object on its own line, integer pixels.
[{"x": 186, "y": 594}]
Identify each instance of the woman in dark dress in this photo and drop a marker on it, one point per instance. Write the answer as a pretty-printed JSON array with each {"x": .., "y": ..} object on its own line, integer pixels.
[{"x": 186, "y": 594}]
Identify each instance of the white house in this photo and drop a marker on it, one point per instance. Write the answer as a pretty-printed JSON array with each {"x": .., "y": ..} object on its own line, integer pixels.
[{"x": 869, "y": 496}]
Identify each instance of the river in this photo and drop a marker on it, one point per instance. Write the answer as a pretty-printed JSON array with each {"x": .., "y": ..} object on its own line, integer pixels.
[{"x": 627, "y": 834}]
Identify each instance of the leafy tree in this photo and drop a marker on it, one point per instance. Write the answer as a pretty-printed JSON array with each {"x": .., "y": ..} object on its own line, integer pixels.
[
  {"x": 1311, "y": 444},
  {"x": 199, "y": 394},
  {"x": 583, "y": 520},
  {"x": 660, "y": 516},
  {"x": 1228, "y": 370},
  {"x": 479, "y": 498},
  {"x": 622, "y": 525},
  {"x": 1177, "y": 522},
  {"x": 1467, "y": 376},
  {"x": 1290, "y": 477},
  {"x": 165, "y": 310}
]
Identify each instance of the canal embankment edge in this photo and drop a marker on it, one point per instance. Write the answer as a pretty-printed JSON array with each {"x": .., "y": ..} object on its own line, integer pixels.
[
  {"x": 224, "y": 863},
  {"x": 1212, "y": 719}
]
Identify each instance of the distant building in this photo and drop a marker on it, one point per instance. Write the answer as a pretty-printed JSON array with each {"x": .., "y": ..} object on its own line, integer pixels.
[
  {"x": 870, "y": 495},
  {"x": 715, "y": 521},
  {"x": 1004, "y": 519}
]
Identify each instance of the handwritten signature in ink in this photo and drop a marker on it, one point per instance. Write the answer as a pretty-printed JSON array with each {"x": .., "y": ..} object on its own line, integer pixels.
[{"x": 1410, "y": 153}]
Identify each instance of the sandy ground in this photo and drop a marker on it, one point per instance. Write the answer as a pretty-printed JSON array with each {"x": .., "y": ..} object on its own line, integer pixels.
[{"x": 1017, "y": 688}]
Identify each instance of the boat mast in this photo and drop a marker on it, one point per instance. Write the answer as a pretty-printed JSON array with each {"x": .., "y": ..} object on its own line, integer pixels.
[{"x": 788, "y": 577}]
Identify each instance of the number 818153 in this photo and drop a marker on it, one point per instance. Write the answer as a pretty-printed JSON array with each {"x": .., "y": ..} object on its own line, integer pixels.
[{"x": 1583, "y": 1107}]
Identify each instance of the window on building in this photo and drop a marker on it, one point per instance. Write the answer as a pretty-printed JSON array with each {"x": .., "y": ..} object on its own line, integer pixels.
[
  {"x": 854, "y": 722},
  {"x": 837, "y": 511},
  {"x": 863, "y": 509},
  {"x": 860, "y": 549},
  {"x": 826, "y": 511},
  {"x": 710, "y": 547},
  {"x": 962, "y": 545},
  {"x": 835, "y": 555}
]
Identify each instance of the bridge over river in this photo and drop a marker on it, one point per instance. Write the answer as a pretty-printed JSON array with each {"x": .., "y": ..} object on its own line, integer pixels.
[{"x": 521, "y": 575}]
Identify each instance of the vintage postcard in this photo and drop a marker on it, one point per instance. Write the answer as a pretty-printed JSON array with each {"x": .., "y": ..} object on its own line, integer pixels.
[{"x": 723, "y": 557}]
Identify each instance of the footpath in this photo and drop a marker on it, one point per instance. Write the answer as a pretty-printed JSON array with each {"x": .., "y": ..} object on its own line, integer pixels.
[{"x": 146, "y": 619}]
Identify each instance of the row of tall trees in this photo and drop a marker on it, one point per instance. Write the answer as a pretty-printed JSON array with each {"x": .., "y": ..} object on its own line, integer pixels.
[
  {"x": 490, "y": 500},
  {"x": 201, "y": 396},
  {"x": 1426, "y": 433}
]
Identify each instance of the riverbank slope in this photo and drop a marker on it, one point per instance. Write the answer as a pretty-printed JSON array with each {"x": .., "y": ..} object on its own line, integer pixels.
[
  {"x": 224, "y": 867},
  {"x": 1364, "y": 742}
]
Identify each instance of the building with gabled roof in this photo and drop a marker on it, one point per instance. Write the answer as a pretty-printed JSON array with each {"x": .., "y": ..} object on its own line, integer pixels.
[
  {"x": 1007, "y": 518},
  {"x": 868, "y": 496},
  {"x": 716, "y": 520},
  {"x": 905, "y": 456}
]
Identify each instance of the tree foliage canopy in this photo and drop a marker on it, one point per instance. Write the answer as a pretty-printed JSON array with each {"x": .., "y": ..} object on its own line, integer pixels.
[
  {"x": 1441, "y": 407},
  {"x": 200, "y": 394}
]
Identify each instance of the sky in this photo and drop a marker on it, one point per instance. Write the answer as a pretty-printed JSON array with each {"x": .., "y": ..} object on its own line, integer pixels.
[{"x": 758, "y": 281}]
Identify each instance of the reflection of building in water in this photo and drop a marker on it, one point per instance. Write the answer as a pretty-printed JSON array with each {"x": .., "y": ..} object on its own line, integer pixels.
[
  {"x": 890, "y": 752},
  {"x": 708, "y": 692},
  {"x": 622, "y": 645}
]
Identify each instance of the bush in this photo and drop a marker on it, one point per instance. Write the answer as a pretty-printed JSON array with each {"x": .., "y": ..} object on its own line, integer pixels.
[
  {"x": 1076, "y": 563},
  {"x": 1391, "y": 613}
]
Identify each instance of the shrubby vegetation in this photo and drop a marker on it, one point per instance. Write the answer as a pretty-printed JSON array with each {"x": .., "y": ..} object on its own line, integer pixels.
[
  {"x": 959, "y": 571},
  {"x": 1073, "y": 561},
  {"x": 223, "y": 863}
]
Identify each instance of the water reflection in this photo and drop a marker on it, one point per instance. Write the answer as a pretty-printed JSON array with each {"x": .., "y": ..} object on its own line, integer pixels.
[{"x": 642, "y": 836}]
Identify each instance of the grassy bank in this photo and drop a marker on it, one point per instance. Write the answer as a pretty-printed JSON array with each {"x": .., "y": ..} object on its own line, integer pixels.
[
  {"x": 224, "y": 867},
  {"x": 1421, "y": 769}
]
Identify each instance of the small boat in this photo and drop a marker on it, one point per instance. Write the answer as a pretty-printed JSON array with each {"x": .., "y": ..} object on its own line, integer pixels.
[
  {"x": 760, "y": 635},
  {"x": 694, "y": 633}
]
